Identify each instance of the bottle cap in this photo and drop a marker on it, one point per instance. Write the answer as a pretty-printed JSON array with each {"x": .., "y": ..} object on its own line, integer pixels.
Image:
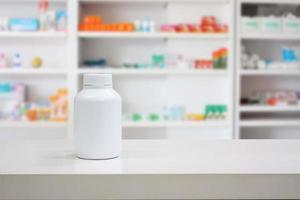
[{"x": 97, "y": 80}]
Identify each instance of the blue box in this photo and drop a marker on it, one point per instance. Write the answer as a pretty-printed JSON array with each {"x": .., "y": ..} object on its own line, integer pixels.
[{"x": 23, "y": 24}]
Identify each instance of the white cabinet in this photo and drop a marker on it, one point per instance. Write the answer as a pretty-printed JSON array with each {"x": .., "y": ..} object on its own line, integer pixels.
[{"x": 268, "y": 89}]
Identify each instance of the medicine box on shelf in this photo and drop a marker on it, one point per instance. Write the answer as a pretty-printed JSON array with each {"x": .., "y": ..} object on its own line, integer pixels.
[
  {"x": 271, "y": 24},
  {"x": 291, "y": 24},
  {"x": 251, "y": 24}
]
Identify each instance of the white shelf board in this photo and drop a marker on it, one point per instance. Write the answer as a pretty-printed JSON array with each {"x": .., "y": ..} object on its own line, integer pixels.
[
  {"x": 14, "y": 34},
  {"x": 270, "y": 123},
  {"x": 184, "y": 124},
  {"x": 262, "y": 108},
  {"x": 270, "y": 72},
  {"x": 270, "y": 1},
  {"x": 28, "y": 124},
  {"x": 156, "y": 72},
  {"x": 159, "y": 1},
  {"x": 31, "y": 71},
  {"x": 31, "y": 1},
  {"x": 270, "y": 36},
  {"x": 155, "y": 35}
]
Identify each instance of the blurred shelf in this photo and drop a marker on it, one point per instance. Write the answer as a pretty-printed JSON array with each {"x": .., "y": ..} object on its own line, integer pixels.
[
  {"x": 270, "y": 72},
  {"x": 156, "y": 72},
  {"x": 28, "y": 124},
  {"x": 270, "y": 108},
  {"x": 184, "y": 124},
  {"x": 270, "y": 123},
  {"x": 270, "y": 1},
  {"x": 31, "y": 71},
  {"x": 270, "y": 36},
  {"x": 159, "y": 1},
  {"x": 156, "y": 35},
  {"x": 14, "y": 34},
  {"x": 31, "y": 1}
]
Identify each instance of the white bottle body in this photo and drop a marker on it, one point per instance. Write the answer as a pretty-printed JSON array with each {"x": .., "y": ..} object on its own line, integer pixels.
[{"x": 97, "y": 124}]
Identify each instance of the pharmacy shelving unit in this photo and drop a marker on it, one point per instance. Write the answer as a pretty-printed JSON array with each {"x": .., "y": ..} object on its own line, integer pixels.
[
  {"x": 265, "y": 121},
  {"x": 148, "y": 91},
  {"x": 64, "y": 52},
  {"x": 53, "y": 47}
]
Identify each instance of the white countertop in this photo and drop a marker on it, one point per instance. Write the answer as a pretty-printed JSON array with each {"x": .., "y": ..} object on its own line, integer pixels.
[{"x": 155, "y": 157}]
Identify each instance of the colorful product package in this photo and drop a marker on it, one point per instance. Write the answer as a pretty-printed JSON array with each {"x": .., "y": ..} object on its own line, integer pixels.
[{"x": 24, "y": 24}]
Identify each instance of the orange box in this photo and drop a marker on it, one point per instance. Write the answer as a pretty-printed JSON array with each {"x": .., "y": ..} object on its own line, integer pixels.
[
  {"x": 89, "y": 27},
  {"x": 88, "y": 20},
  {"x": 97, "y": 20},
  {"x": 121, "y": 27},
  {"x": 81, "y": 27},
  {"x": 101, "y": 27},
  {"x": 92, "y": 20},
  {"x": 216, "y": 54},
  {"x": 31, "y": 115},
  {"x": 114, "y": 27},
  {"x": 107, "y": 27},
  {"x": 94, "y": 23},
  {"x": 97, "y": 27},
  {"x": 129, "y": 27}
]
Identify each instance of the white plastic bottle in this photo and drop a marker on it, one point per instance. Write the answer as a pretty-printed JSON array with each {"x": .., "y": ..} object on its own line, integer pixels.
[{"x": 97, "y": 119}]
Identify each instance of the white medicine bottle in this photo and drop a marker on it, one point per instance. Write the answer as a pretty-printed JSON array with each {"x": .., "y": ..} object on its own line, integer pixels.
[{"x": 97, "y": 119}]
